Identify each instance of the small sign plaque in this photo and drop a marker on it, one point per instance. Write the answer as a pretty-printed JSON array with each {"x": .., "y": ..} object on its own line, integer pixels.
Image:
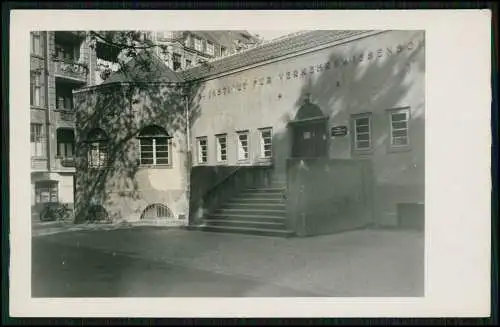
[{"x": 339, "y": 130}]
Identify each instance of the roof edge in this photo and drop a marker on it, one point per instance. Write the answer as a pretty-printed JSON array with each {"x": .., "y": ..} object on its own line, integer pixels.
[
  {"x": 101, "y": 86},
  {"x": 283, "y": 57}
]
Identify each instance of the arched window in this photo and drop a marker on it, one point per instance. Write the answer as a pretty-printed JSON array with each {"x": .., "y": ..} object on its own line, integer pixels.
[
  {"x": 154, "y": 146},
  {"x": 156, "y": 211},
  {"x": 97, "y": 153}
]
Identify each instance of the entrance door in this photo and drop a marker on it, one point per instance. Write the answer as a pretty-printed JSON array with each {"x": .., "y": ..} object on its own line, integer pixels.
[{"x": 309, "y": 139}]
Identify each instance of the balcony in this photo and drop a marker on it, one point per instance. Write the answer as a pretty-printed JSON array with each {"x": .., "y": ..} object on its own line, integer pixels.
[
  {"x": 65, "y": 115},
  {"x": 71, "y": 70},
  {"x": 66, "y": 164},
  {"x": 38, "y": 164}
]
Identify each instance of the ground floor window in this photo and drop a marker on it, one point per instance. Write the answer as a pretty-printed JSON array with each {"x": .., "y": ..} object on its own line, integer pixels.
[
  {"x": 399, "y": 127},
  {"x": 202, "y": 150},
  {"x": 97, "y": 152},
  {"x": 154, "y": 146},
  {"x": 155, "y": 211},
  {"x": 243, "y": 145},
  {"x": 362, "y": 132},
  {"x": 221, "y": 147},
  {"x": 97, "y": 155},
  {"x": 266, "y": 137},
  {"x": 46, "y": 191}
]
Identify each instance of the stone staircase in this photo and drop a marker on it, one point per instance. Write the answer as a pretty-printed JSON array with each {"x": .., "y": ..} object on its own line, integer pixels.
[{"x": 256, "y": 211}]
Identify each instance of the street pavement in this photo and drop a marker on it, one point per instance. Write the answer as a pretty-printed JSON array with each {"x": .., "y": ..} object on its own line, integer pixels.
[{"x": 161, "y": 262}]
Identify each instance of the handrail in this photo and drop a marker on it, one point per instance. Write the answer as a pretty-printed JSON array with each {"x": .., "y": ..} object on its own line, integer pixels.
[{"x": 216, "y": 185}]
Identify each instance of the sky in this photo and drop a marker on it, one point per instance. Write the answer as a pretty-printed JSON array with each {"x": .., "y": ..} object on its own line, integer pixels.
[{"x": 271, "y": 34}]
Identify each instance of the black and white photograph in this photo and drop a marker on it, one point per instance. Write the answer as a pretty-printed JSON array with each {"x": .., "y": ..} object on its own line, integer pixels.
[{"x": 228, "y": 162}]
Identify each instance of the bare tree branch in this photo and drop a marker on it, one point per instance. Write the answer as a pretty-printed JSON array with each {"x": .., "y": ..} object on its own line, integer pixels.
[{"x": 129, "y": 46}]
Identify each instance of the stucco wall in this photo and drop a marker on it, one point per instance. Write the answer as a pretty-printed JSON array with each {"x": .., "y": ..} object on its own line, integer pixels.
[
  {"x": 369, "y": 75},
  {"x": 125, "y": 187}
]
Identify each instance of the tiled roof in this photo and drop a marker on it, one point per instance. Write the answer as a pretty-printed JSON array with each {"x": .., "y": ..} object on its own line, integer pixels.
[
  {"x": 267, "y": 51},
  {"x": 145, "y": 67}
]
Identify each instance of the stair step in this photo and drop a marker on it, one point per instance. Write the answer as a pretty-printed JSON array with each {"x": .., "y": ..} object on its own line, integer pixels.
[
  {"x": 249, "y": 217},
  {"x": 248, "y": 195},
  {"x": 243, "y": 230},
  {"x": 251, "y": 211},
  {"x": 261, "y": 199},
  {"x": 245, "y": 223},
  {"x": 263, "y": 190},
  {"x": 256, "y": 206}
]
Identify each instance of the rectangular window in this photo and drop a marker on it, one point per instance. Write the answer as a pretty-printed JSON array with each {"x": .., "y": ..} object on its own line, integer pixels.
[
  {"x": 67, "y": 52},
  {"x": 65, "y": 143},
  {"x": 154, "y": 151},
  {"x": 187, "y": 41},
  {"x": 36, "y": 89},
  {"x": 188, "y": 63},
  {"x": 36, "y": 43},
  {"x": 362, "y": 132},
  {"x": 223, "y": 51},
  {"x": 176, "y": 58},
  {"x": 399, "y": 120},
  {"x": 97, "y": 155},
  {"x": 37, "y": 140},
  {"x": 64, "y": 97},
  {"x": 243, "y": 146},
  {"x": 202, "y": 150},
  {"x": 266, "y": 137},
  {"x": 46, "y": 191},
  {"x": 210, "y": 48},
  {"x": 221, "y": 147},
  {"x": 198, "y": 45}
]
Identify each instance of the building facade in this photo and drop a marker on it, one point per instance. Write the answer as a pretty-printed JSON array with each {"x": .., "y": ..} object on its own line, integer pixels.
[
  {"x": 181, "y": 50},
  {"x": 315, "y": 132},
  {"x": 60, "y": 62}
]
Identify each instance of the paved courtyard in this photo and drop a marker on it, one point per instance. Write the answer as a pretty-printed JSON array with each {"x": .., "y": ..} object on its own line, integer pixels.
[{"x": 161, "y": 262}]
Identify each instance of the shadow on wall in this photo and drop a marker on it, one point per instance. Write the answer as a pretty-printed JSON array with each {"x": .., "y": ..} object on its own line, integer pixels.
[
  {"x": 375, "y": 86},
  {"x": 359, "y": 84},
  {"x": 121, "y": 110}
]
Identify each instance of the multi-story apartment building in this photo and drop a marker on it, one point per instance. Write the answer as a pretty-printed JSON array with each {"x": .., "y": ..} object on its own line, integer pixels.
[
  {"x": 185, "y": 49},
  {"x": 180, "y": 50},
  {"x": 60, "y": 62}
]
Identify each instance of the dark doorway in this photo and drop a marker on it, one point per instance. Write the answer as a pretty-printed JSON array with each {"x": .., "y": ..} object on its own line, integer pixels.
[{"x": 309, "y": 138}]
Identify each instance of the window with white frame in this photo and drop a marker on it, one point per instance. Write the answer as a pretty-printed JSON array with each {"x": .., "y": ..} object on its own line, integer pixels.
[
  {"x": 98, "y": 148},
  {"x": 266, "y": 138},
  {"x": 198, "y": 45},
  {"x": 243, "y": 145},
  {"x": 399, "y": 127},
  {"x": 36, "y": 89},
  {"x": 187, "y": 41},
  {"x": 154, "y": 146},
  {"x": 362, "y": 132},
  {"x": 202, "y": 149},
  {"x": 46, "y": 191},
  {"x": 221, "y": 147},
  {"x": 210, "y": 48},
  {"x": 37, "y": 140}
]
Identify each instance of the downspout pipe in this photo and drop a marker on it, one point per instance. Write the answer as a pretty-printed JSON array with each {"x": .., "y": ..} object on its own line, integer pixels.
[{"x": 188, "y": 154}]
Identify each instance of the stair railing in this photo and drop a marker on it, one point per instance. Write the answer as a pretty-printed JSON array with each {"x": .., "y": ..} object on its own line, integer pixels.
[{"x": 226, "y": 188}]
